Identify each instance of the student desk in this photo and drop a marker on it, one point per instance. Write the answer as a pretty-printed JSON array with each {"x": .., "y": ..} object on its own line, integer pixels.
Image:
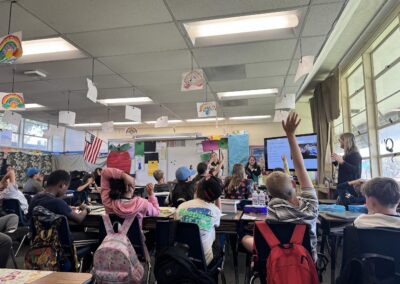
[
  {"x": 328, "y": 221},
  {"x": 12, "y": 276}
]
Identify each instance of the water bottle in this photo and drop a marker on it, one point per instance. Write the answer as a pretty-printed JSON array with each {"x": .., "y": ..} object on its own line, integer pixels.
[
  {"x": 254, "y": 198},
  {"x": 261, "y": 198}
]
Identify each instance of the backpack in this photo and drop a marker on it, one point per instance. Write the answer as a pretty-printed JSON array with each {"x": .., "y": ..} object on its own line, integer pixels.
[
  {"x": 46, "y": 252},
  {"x": 115, "y": 261},
  {"x": 288, "y": 263},
  {"x": 173, "y": 265}
]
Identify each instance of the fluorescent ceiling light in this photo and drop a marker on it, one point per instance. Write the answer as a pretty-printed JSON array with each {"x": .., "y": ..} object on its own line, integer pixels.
[
  {"x": 30, "y": 106},
  {"x": 241, "y": 24},
  {"x": 204, "y": 119},
  {"x": 127, "y": 123},
  {"x": 250, "y": 117},
  {"x": 46, "y": 45},
  {"x": 169, "y": 121},
  {"x": 123, "y": 101},
  {"x": 248, "y": 93},
  {"x": 95, "y": 124}
]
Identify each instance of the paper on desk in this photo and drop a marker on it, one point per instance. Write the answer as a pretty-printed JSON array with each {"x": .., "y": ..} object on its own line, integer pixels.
[{"x": 248, "y": 217}]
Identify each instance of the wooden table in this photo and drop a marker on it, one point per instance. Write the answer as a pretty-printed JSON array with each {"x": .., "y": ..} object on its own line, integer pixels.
[{"x": 42, "y": 277}]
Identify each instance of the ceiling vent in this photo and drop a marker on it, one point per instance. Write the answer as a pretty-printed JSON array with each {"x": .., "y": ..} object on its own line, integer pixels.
[
  {"x": 226, "y": 73},
  {"x": 35, "y": 74}
]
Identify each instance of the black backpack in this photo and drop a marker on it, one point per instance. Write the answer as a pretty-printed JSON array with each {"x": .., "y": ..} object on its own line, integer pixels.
[{"x": 173, "y": 265}]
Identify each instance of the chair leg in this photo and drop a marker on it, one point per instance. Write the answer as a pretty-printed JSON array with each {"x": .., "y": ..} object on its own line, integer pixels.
[
  {"x": 81, "y": 264},
  {"x": 148, "y": 272},
  {"x": 222, "y": 273},
  {"x": 20, "y": 245},
  {"x": 13, "y": 258},
  {"x": 252, "y": 279}
]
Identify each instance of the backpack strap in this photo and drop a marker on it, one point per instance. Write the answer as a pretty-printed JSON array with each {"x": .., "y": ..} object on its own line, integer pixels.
[
  {"x": 127, "y": 224},
  {"x": 298, "y": 234},
  {"x": 107, "y": 224},
  {"x": 267, "y": 234}
]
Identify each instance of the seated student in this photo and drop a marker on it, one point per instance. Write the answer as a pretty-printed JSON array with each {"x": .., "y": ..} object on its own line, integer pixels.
[
  {"x": 87, "y": 185},
  {"x": 201, "y": 172},
  {"x": 202, "y": 211},
  {"x": 382, "y": 196},
  {"x": 161, "y": 185},
  {"x": 350, "y": 192},
  {"x": 118, "y": 197},
  {"x": 8, "y": 224},
  {"x": 34, "y": 183},
  {"x": 49, "y": 198},
  {"x": 9, "y": 190},
  {"x": 184, "y": 189},
  {"x": 97, "y": 176},
  {"x": 284, "y": 205},
  {"x": 238, "y": 186}
]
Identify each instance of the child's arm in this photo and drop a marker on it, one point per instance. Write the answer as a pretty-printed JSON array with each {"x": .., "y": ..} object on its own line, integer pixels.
[
  {"x": 285, "y": 165},
  {"x": 153, "y": 208}
]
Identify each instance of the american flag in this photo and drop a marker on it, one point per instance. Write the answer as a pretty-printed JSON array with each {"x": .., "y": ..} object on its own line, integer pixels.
[{"x": 92, "y": 148}]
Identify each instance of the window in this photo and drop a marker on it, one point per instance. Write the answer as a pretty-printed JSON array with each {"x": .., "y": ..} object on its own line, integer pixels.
[
  {"x": 33, "y": 135},
  {"x": 387, "y": 52},
  {"x": 13, "y": 128}
]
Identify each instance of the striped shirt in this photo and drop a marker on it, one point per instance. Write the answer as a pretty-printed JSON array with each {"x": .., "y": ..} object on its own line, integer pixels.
[{"x": 306, "y": 212}]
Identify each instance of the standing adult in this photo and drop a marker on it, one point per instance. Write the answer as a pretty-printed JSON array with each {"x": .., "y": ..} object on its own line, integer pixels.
[
  {"x": 253, "y": 170},
  {"x": 350, "y": 163}
]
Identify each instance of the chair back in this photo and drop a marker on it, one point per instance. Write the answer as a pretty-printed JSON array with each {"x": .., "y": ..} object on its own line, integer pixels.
[
  {"x": 28, "y": 197},
  {"x": 359, "y": 242},
  {"x": 12, "y": 206},
  {"x": 135, "y": 234},
  {"x": 283, "y": 232}
]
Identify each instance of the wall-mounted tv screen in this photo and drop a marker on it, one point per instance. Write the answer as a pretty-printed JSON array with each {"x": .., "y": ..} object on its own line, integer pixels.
[{"x": 275, "y": 147}]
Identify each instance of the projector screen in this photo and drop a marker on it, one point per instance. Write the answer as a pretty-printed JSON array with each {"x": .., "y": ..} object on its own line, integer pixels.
[{"x": 275, "y": 147}]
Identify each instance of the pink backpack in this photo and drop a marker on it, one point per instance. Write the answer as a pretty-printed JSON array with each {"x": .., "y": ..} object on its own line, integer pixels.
[{"x": 115, "y": 261}]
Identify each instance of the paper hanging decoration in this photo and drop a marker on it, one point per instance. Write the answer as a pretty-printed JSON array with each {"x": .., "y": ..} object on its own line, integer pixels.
[
  {"x": 162, "y": 121},
  {"x": 131, "y": 131},
  {"x": 12, "y": 101},
  {"x": 92, "y": 91},
  {"x": 107, "y": 126},
  {"x": 281, "y": 115},
  {"x": 66, "y": 117},
  {"x": 119, "y": 157},
  {"x": 12, "y": 118},
  {"x": 133, "y": 113},
  {"x": 207, "y": 109},
  {"x": 10, "y": 48},
  {"x": 285, "y": 101},
  {"x": 192, "y": 80},
  {"x": 306, "y": 64},
  {"x": 210, "y": 145}
]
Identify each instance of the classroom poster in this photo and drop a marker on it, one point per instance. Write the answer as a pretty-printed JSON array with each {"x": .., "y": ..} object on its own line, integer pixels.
[
  {"x": 238, "y": 147},
  {"x": 258, "y": 153},
  {"x": 12, "y": 101},
  {"x": 10, "y": 48},
  {"x": 223, "y": 143},
  {"x": 139, "y": 162},
  {"x": 207, "y": 109},
  {"x": 139, "y": 148},
  {"x": 210, "y": 145},
  {"x": 192, "y": 80},
  {"x": 152, "y": 167}
]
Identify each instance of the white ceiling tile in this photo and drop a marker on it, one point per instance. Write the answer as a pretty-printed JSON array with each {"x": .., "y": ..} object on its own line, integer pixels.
[
  {"x": 320, "y": 19},
  {"x": 248, "y": 84},
  {"x": 192, "y": 9},
  {"x": 148, "y": 38},
  {"x": 88, "y": 15},
  {"x": 22, "y": 21},
  {"x": 310, "y": 46},
  {"x": 265, "y": 69},
  {"x": 155, "y": 77},
  {"x": 245, "y": 53},
  {"x": 166, "y": 60},
  {"x": 79, "y": 83}
]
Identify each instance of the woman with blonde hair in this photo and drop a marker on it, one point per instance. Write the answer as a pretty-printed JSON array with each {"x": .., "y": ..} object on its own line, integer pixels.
[
  {"x": 238, "y": 186},
  {"x": 350, "y": 163}
]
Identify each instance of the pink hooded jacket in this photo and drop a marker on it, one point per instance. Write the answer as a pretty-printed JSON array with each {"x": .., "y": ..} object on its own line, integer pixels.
[{"x": 136, "y": 206}]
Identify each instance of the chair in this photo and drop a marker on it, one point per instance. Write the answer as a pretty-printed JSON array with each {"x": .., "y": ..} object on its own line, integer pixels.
[
  {"x": 28, "y": 197},
  {"x": 71, "y": 248},
  {"x": 283, "y": 231},
  {"x": 169, "y": 232},
  {"x": 135, "y": 235},
  {"x": 372, "y": 242},
  {"x": 12, "y": 206}
]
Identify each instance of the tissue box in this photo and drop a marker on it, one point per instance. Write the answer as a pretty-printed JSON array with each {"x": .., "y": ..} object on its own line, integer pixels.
[
  {"x": 229, "y": 205},
  {"x": 260, "y": 209}
]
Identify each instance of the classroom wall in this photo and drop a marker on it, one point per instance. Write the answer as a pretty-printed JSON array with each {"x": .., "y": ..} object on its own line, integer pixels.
[{"x": 257, "y": 131}]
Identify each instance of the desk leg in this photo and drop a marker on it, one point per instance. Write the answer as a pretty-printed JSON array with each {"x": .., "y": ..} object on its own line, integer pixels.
[
  {"x": 234, "y": 247},
  {"x": 333, "y": 239}
]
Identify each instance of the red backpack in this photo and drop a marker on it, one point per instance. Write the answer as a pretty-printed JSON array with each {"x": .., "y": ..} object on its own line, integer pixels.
[{"x": 288, "y": 263}]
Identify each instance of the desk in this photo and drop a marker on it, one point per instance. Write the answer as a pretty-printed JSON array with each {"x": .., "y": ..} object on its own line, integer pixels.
[
  {"x": 16, "y": 276},
  {"x": 327, "y": 222}
]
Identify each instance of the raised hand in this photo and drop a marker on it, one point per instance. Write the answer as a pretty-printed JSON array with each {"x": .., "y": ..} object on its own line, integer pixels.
[{"x": 291, "y": 123}]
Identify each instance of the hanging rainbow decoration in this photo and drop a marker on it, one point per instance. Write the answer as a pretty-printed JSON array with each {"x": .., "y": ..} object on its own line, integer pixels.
[
  {"x": 207, "y": 109},
  {"x": 193, "y": 80},
  {"x": 10, "y": 48},
  {"x": 12, "y": 101}
]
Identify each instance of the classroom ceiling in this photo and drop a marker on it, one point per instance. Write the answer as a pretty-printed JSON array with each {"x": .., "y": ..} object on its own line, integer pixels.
[{"x": 142, "y": 44}]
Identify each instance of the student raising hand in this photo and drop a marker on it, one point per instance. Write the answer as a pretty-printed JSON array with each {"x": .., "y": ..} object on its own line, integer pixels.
[{"x": 291, "y": 123}]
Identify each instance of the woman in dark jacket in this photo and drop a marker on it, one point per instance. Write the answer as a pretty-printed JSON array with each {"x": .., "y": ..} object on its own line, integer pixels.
[
  {"x": 253, "y": 170},
  {"x": 350, "y": 163}
]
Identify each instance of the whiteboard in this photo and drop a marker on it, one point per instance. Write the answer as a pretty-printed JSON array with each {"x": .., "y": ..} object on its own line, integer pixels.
[{"x": 182, "y": 156}]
